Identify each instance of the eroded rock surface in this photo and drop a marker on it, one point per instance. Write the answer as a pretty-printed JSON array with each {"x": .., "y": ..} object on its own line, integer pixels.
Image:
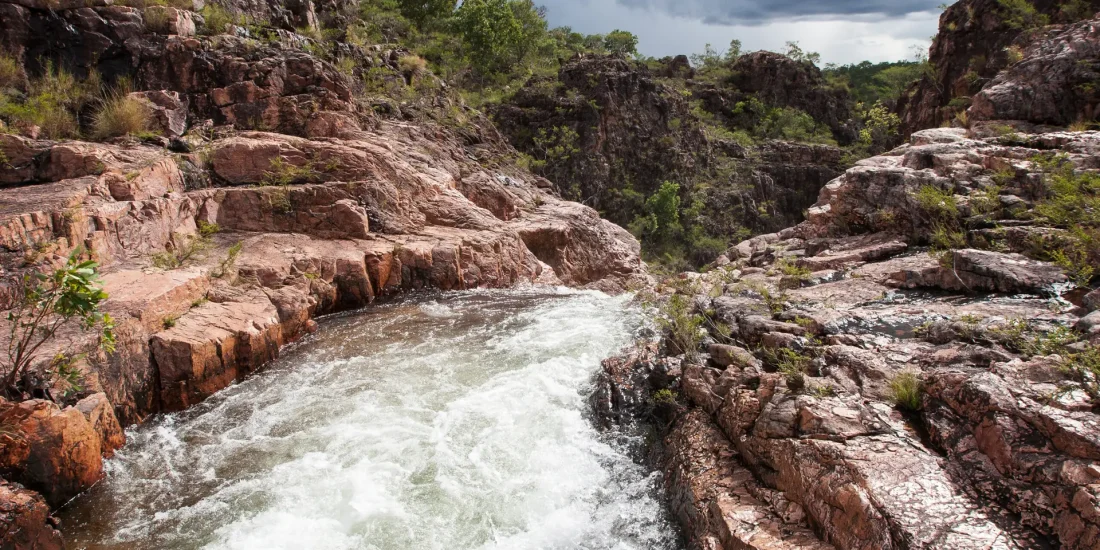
[{"x": 869, "y": 390}]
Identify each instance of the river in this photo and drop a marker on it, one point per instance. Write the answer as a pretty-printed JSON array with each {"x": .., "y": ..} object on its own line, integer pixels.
[{"x": 449, "y": 421}]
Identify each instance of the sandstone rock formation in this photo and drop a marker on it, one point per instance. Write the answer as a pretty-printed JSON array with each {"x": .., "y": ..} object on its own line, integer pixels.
[
  {"x": 25, "y": 520},
  {"x": 1006, "y": 66},
  {"x": 833, "y": 400},
  {"x": 276, "y": 192}
]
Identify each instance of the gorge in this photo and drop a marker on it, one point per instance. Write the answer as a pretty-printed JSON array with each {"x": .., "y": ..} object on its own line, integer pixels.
[{"x": 397, "y": 274}]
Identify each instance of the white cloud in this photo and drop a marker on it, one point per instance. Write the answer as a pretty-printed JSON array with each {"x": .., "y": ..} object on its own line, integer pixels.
[{"x": 848, "y": 39}]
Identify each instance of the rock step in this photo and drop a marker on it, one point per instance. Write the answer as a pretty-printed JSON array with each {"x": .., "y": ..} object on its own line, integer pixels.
[
  {"x": 861, "y": 479},
  {"x": 719, "y": 502}
]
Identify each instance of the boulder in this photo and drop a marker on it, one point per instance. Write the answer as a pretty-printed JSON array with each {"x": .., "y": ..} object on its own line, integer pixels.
[
  {"x": 99, "y": 413},
  {"x": 64, "y": 451},
  {"x": 25, "y": 520},
  {"x": 1091, "y": 301},
  {"x": 732, "y": 356},
  {"x": 169, "y": 109}
]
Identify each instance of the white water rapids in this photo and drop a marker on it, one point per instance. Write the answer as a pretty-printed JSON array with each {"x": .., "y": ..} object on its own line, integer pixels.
[{"x": 455, "y": 422}]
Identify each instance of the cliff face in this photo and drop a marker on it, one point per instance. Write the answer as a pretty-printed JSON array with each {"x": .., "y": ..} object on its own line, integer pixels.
[
  {"x": 609, "y": 132},
  {"x": 977, "y": 40},
  {"x": 277, "y": 190}
]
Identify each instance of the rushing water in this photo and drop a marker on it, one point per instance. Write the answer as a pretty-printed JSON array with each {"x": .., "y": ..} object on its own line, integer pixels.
[{"x": 456, "y": 422}]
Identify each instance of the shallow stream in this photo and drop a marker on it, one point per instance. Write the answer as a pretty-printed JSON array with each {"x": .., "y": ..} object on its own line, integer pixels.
[{"x": 447, "y": 422}]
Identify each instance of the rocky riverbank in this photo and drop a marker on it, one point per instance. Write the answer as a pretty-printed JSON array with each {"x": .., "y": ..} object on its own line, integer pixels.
[
  {"x": 220, "y": 243},
  {"x": 858, "y": 391}
]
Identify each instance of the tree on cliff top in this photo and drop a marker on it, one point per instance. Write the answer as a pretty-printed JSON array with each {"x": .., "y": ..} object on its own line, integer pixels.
[
  {"x": 499, "y": 33},
  {"x": 51, "y": 302}
]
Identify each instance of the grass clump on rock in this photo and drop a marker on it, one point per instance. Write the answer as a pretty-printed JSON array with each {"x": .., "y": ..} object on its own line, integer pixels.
[
  {"x": 906, "y": 390},
  {"x": 121, "y": 115}
]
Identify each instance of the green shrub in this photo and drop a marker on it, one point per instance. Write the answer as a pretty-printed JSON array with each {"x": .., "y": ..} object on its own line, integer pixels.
[
  {"x": 11, "y": 72},
  {"x": 791, "y": 268},
  {"x": 937, "y": 204},
  {"x": 791, "y": 364},
  {"x": 1083, "y": 370},
  {"x": 216, "y": 19},
  {"x": 157, "y": 19},
  {"x": 52, "y": 301},
  {"x": 51, "y": 102},
  {"x": 906, "y": 390},
  {"x": 665, "y": 397},
  {"x": 680, "y": 325},
  {"x": 1021, "y": 15}
]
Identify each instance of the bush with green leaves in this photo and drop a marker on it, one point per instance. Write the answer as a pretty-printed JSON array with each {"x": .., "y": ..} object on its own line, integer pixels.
[
  {"x": 681, "y": 325},
  {"x": 52, "y": 102},
  {"x": 1070, "y": 201},
  {"x": 621, "y": 43},
  {"x": 661, "y": 221},
  {"x": 1021, "y": 15},
  {"x": 498, "y": 33},
  {"x": 69, "y": 295}
]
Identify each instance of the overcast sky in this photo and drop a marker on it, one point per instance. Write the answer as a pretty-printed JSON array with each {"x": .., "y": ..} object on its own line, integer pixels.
[{"x": 842, "y": 31}]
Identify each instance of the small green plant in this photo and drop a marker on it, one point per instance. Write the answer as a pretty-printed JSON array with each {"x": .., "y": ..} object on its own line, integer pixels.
[
  {"x": 11, "y": 72},
  {"x": 207, "y": 229},
  {"x": 665, "y": 397},
  {"x": 937, "y": 204},
  {"x": 1083, "y": 370},
  {"x": 169, "y": 321},
  {"x": 67, "y": 372},
  {"x": 906, "y": 390},
  {"x": 412, "y": 65},
  {"x": 791, "y": 268},
  {"x": 791, "y": 364},
  {"x": 52, "y": 301},
  {"x": 216, "y": 19},
  {"x": 158, "y": 19},
  {"x": 192, "y": 247},
  {"x": 681, "y": 325},
  {"x": 226, "y": 265},
  {"x": 281, "y": 172}
]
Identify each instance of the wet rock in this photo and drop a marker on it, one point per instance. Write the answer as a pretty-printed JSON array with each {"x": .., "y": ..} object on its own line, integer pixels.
[
  {"x": 212, "y": 346},
  {"x": 63, "y": 451},
  {"x": 99, "y": 413},
  {"x": 626, "y": 383},
  {"x": 25, "y": 520}
]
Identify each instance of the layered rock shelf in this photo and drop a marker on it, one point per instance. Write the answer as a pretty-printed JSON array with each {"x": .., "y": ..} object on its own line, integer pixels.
[{"x": 788, "y": 433}]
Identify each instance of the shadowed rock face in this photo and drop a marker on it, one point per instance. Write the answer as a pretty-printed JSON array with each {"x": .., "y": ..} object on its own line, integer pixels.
[{"x": 632, "y": 130}]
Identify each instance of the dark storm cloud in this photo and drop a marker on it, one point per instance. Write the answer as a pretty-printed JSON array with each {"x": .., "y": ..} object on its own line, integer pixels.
[{"x": 730, "y": 12}]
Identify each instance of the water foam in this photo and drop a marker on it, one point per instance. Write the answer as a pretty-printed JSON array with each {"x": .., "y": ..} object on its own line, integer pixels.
[{"x": 455, "y": 423}]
